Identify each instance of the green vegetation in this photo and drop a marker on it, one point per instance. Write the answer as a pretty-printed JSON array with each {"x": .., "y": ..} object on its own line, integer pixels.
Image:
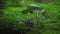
[{"x": 12, "y": 16}]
